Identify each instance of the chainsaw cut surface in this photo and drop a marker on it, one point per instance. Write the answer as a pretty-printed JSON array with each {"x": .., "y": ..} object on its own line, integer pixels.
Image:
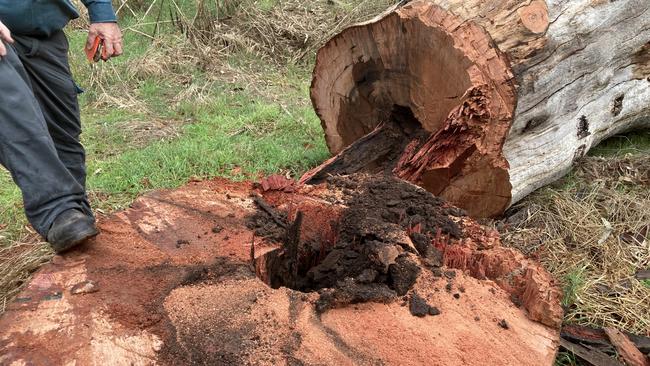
[{"x": 173, "y": 283}]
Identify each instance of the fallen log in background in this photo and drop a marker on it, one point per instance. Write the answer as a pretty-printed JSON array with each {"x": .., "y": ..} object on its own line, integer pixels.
[{"x": 510, "y": 92}]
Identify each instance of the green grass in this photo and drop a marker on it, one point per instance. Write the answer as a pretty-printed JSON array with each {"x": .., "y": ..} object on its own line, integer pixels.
[
  {"x": 637, "y": 142},
  {"x": 567, "y": 359},
  {"x": 11, "y": 210},
  {"x": 232, "y": 132},
  {"x": 572, "y": 285}
]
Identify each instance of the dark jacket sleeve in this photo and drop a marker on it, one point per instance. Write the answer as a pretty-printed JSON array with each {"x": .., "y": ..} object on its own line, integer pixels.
[{"x": 100, "y": 11}]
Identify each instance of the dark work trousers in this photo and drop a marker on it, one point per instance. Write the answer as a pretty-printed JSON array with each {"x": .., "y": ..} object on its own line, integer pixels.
[{"x": 40, "y": 128}]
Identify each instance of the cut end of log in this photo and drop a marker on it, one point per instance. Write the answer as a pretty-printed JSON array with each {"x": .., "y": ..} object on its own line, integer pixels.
[
  {"x": 419, "y": 66},
  {"x": 535, "y": 16}
]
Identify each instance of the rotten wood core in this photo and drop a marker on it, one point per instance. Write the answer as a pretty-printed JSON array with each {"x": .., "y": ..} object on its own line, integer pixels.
[{"x": 506, "y": 94}]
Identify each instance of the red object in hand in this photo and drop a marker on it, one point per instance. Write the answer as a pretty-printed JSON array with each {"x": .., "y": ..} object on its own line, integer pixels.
[{"x": 97, "y": 51}]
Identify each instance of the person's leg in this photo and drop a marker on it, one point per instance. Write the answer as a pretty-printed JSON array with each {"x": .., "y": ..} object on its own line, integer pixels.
[
  {"x": 46, "y": 62},
  {"x": 28, "y": 152}
]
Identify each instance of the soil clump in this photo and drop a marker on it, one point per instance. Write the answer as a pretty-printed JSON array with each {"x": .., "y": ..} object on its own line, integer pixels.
[
  {"x": 383, "y": 239},
  {"x": 419, "y": 306}
]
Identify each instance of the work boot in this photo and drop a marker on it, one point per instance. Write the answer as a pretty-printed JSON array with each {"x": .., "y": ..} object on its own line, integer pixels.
[{"x": 71, "y": 228}]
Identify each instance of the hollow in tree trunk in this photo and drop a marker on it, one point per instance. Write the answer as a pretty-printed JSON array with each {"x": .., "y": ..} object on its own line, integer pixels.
[{"x": 482, "y": 102}]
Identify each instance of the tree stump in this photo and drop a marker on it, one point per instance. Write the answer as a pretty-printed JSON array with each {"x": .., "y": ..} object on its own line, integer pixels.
[
  {"x": 174, "y": 285},
  {"x": 507, "y": 94}
]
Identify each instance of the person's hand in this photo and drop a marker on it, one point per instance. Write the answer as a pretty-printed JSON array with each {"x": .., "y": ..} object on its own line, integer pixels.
[
  {"x": 112, "y": 36},
  {"x": 5, "y": 36}
]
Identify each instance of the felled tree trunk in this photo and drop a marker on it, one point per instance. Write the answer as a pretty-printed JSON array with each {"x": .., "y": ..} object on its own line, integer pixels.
[{"x": 507, "y": 94}]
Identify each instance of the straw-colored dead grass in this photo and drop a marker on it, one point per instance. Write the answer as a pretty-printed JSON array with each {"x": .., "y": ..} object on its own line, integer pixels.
[
  {"x": 593, "y": 233},
  {"x": 284, "y": 32},
  {"x": 17, "y": 263},
  {"x": 238, "y": 41},
  {"x": 257, "y": 35}
]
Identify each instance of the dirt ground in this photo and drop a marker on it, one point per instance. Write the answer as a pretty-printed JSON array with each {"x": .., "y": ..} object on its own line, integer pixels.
[{"x": 172, "y": 281}]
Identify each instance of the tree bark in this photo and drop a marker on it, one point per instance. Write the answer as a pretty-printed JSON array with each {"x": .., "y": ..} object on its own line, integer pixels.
[{"x": 509, "y": 92}]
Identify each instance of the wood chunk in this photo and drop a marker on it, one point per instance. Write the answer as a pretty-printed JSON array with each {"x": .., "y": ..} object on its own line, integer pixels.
[
  {"x": 372, "y": 153},
  {"x": 595, "y": 338},
  {"x": 643, "y": 275},
  {"x": 593, "y": 356},
  {"x": 252, "y": 255},
  {"x": 598, "y": 338},
  {"x": 278, "y": 183},
  {"x": 292, "y": 246},
  {"x": 626, "y": 349},
  {"x": 85, "y": 287},
  {"x": 641, "y": 342}
]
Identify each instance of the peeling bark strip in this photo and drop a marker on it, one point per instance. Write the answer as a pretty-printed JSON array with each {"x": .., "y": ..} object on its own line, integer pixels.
[
  {"x": 582, "y": 70},
  {"x": 626, "y": 349},
  {"x": 593, "y": 356},
  {"x": 597, "y": 338}
]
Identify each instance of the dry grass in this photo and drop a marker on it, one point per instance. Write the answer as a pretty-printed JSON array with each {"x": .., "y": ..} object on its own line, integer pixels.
[
  {"x": 593, "y": 233},
  {"x": 141, "y": 134},
  {"x": 284, "y": 32},
  {"x": 17, "y": 263},
  {"x": 236, "y": 41}
]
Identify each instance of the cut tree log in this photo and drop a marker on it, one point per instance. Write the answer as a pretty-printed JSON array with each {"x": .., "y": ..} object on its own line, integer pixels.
[{"x": 510, "y": 93}]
